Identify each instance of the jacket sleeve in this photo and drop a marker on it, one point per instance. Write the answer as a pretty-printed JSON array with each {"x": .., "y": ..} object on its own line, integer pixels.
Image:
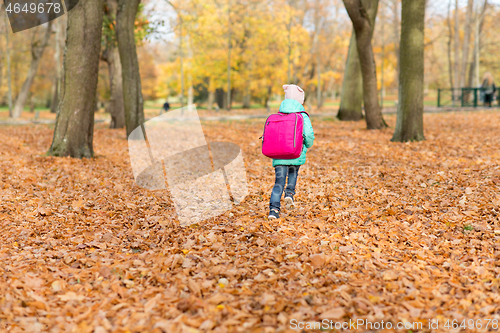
[{"x": 308, "y": 132}]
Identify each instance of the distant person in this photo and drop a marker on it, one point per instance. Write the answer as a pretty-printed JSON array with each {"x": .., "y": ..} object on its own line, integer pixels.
[
  {"x": 166, "y": 107},
  {"x": 489, "y": 88}
]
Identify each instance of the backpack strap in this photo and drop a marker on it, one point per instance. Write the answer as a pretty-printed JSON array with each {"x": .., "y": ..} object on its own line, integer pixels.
[{"x": 297, "y": 112}]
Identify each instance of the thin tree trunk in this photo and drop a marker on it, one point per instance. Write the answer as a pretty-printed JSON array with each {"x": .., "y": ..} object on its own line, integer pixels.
[
  {"x": 467, "y": 33},
  {"x": 57, "y": 61},
  {"x": 116, "y": 106},
  {"x": 111, "y": 56},
  {"x": 9, "y": 73},
  {"x": 410, "y": 119},
  {"x": 450, "y": 38},
  {"x": 456, "y": 44},
  {"x": 190, "y": 77},
  {"x": 358, "y": 11},
  {"x": 211, "y": 94},
  {"x": 351, "y": 98},
  {"x": 211, "y": 98},
  {"x": 477, "y": 45},
  {"x": 74, "y": 132},
  {"x": 247, "y": 98},
  {"x": 397, "y": 37},
  {"x": 1, "y": 48},
  {"x": 229, "y": 47},
  {"x": 318, "y": 97},
  {"x": 37, "y": 49},
  {"x": 132, "y": 91}
]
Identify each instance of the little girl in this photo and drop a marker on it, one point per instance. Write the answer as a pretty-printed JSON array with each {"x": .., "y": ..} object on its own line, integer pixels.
[{"x": 294, "y": 98}]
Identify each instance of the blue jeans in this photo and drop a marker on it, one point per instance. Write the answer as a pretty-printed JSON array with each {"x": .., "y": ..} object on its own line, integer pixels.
[{"x": 282, "y": 171}]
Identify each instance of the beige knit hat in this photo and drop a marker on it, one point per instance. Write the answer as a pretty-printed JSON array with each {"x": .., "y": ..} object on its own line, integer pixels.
[{"x": 294, "y": 92}]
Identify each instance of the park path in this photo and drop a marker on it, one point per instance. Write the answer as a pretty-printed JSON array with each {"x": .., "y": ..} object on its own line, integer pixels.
[{"x": 389, "y": 110}]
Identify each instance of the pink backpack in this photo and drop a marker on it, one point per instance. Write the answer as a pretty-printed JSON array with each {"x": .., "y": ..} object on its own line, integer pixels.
[{"x": 282, "y": 138}]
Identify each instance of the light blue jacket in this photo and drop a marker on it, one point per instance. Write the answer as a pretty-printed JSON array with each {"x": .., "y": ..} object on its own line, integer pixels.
[{"x": 291, "y": 106}]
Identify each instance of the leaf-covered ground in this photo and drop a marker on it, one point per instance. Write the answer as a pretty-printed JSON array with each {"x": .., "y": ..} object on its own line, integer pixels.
[{"x": 382, "y": 231}]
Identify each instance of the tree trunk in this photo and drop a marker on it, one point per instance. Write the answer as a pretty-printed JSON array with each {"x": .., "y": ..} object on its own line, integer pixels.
[
  {"x": 467, "y": 33},
  {"x": 190, "y": 100},
  {"x": 74, "y": 132},
  {"x": 211, "y": 94},
  {"x": 9, "y": 74},
  {"x": 410, "y": 118},
  {"x": 220, "y": 97},
  {"x": 480, "y": 24},
  {"x": 116, "y": 107},
  {"x": 37, "y": 49},
  {"x": 247, "y": 98},
  {"x": 359, "y": 12},
  {"x": 211, "y": 98},
  {"x": 397, "y": 37},
  {"x": 351, "y": 99},
  {"x": 456, "y": 43},
  {"x": 1, "y": 49},
  {"x": 132, "y": 91},
  {"x": 229, "y": 47},
  {"x": 111, "y": 56},
  {"x": 57, "y": 60},
  {"x": 450, "y": 39}
]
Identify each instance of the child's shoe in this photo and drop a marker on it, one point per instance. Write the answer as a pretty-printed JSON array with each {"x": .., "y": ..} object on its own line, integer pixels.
[
  {"x": 273, "y": 214},
  {"x": 289, "y": 203}
]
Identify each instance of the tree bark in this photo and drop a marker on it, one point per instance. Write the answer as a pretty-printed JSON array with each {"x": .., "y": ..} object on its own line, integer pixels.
[
  {"x": 359, "y": 12},
  {"x": 211, "y": 94},
  {"x": 211, "y": 98},
  {"x": 410, "y": 119},
  {"x": 397, "y": 38},
  {"x": 465, "y": 51},
  {"x": 132, "y": 91},
  {"x": 247, "y": 98},
  {"x": 450, "y": 39},
  {"x": 472, "y": 68},
  {"x": 116, "y": 106},
  {"x": 59, "y": 69},
  {"x": 37, "y": 49},
  {"x": 111, "y": 56},
  {"x": 9, "y": 73},
  {"x": 1, "y": 48},
  {"x": 74, "y": 132},
  {"x": 351, "y": 99},
  {"x": 456, "y": 43}
]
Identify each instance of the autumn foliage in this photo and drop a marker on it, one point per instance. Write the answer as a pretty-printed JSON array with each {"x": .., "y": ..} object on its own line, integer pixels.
[{"x": 382, "y": 231}]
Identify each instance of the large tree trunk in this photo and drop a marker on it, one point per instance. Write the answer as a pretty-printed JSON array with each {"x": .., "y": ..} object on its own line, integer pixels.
[
  {"x": 410, "y": 119},
  {"x": 111, "y": 56},
  {"x": 37, "y": 48},
  {"x": 359, "y": 12},
  {"x": 132, "y": 91},
  {"x": 351, "y": 99},
  {"x": 74, "y": 132}
]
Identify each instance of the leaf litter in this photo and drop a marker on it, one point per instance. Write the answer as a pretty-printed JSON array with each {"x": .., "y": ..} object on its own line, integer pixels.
[{"x": 381, "y": 231}]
